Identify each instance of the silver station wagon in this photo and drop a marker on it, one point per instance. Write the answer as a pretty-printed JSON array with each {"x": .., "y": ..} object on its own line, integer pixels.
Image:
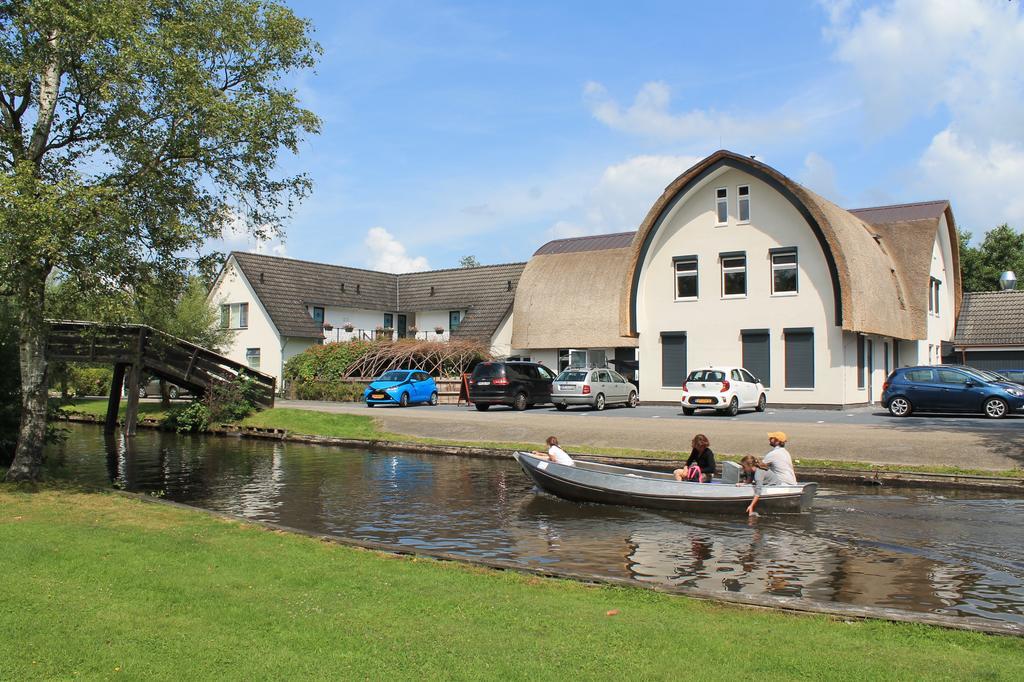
[{"x": 594, "y": 387}]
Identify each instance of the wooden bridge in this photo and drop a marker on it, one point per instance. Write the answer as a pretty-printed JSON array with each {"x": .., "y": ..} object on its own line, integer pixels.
[{"x": 141, "y": 351}]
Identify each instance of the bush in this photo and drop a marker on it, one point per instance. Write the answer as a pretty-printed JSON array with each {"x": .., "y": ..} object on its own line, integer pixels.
[
  {"x": 83, "y": 381},
  {"x": 233, "y": 401},
  {"x": 342, "y": 392},
  {"x": 325, "y": 363},
  {"x": 194, "y": 417}
]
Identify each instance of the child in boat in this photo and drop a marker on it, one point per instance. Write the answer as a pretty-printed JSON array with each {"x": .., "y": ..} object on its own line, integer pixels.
[
  {"x": 756, "y": 473},
  {"x": 555, "y": 453},
  {"x": 701, "y": 457}
]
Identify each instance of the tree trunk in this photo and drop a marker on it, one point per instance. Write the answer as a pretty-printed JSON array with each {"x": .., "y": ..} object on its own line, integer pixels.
[
  {"x": 32, "y": 333},
  {"x": 165, "y": 396}
]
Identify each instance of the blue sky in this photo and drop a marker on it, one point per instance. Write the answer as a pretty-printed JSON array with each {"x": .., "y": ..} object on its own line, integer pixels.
[{"x": 489, "y": 128}]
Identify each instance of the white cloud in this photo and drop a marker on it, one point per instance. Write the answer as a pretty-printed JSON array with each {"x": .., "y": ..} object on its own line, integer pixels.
[
  {"x": 623, "y": 195},
  {"x": 649, "y": 115},
  {"x": 820, "y": 175},
  {"x": 237, "y": 236},
  {"x": 387, "y": 254},
  {"x": 958, "y": 58}
]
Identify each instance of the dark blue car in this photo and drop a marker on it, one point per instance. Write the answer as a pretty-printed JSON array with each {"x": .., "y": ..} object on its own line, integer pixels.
[
  {"x": 947, "y": 388},
  {"x": 401, "y": 387},
  {"x": 1014, "y": 375}
]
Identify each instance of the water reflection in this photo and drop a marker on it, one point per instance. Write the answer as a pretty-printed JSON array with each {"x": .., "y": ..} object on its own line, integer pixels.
[{"x": 910, "y": 550}]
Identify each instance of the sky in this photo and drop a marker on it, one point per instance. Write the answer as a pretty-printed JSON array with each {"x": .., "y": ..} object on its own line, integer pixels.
[{"x": 487, "y": 129}]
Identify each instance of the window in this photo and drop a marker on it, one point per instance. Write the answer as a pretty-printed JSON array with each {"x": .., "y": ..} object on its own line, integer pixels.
[
  {"x": 951, "y": 376},
  {"x": 234, "y": 316},
  {"x": 735, "y": 375},
  {"x": 686, "y": 278},
  {"x": 860, "y": 361},
  {"x": 799, "y": 358},
  {"x": 743, "y": 203},
  {"x": 919, "y": 376},
  {"x": 389, "y": 321},
  {"x": 318, "y": 314},
  {"x": 785, "y": 278},
  {"x": 757, "y": 354},
  {"x": 885, "y": 350},
  {"x": 673, "y": 358},
  {"x": 734, "y": 274},
  {"x": 748, "y": 377},
  {"x": 721, "y": 206},
  {"x": 252, "y": 357},
  {"x": 454, "y": 319},
  {"x": 706, "y": 375},
  {"x": 519, "y": 358},
  {"x": 933, "y": 296},
  {"x": 545, "y": 373},
  {"x": 617, "y": 378}
]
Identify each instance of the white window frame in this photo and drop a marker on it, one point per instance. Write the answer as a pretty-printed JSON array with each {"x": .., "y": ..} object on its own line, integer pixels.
[
  {"x": 249, "y": 355},
  {"x": 795, "y": 265},
  {"x": 934, "y": 287},
  {"x": 721, "y": 201},
  {"x": 740, "y": 198},
  {"x": 695, "y": 273},
  {"x": 235, "y": 315},
  {"x": 744, "y": 270}
]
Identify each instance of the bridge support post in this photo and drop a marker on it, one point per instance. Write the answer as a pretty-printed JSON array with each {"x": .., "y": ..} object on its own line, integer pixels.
[
  {"x": 131, "y": 413},
  {"x": 114, "y": 401}
]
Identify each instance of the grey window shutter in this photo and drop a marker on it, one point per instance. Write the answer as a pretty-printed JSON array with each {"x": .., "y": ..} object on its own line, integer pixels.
[
  {"x": 757, "y": 356},
  {"x": 799, "y": 358},
  {"x": 673, "y": 358}
]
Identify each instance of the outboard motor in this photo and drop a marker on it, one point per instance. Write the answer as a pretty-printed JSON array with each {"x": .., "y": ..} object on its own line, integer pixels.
[{"x": 731, "y": 472}]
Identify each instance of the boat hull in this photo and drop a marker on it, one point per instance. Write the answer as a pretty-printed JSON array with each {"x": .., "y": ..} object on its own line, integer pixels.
[{"x": 603, "y": 484}]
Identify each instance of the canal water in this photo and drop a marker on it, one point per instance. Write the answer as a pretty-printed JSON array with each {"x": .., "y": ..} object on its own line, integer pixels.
[{"x": 940, "y": 552}]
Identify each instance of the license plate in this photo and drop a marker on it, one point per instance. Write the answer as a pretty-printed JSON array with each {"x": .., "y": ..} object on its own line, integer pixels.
[
  {"x": 567, "y": 387},
  {"x": 483, "y": 383},
  {"x": 378, "y": 396},
  {"x": 705, "y": 401}
]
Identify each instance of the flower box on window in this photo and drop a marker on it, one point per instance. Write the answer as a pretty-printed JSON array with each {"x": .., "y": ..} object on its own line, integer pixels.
[
  {"x": 349, "y": 327},
  {"x": 439, "y": 329}
]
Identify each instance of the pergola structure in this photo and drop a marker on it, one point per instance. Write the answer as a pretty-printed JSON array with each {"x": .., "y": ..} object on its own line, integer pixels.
[{"x": 447, "y": 359}]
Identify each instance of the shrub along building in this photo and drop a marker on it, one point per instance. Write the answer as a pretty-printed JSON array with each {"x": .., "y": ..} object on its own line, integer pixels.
[{"x": 735, "y": 264}]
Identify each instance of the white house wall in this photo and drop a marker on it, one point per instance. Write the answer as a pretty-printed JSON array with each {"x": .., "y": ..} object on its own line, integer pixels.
[
  {"x": 232, "y": 287},
  {"x": 712, "y": 322}
]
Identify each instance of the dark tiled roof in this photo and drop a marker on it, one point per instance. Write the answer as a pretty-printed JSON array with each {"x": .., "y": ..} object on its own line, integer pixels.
[
  {"x": 597, "y": 242},
  {"x": 286, "y": 286},
  {"x": 900, "y": 213},
  {"x": 991, "y": 318}
]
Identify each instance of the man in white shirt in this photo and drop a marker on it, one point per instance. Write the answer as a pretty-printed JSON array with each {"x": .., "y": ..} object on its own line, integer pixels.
[
  {"x": 555, "y": 454},
  {"x": 779, "y": 461}
]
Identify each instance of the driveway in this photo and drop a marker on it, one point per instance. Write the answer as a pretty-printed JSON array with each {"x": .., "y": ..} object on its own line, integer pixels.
[{"x": 865, "y": 434}]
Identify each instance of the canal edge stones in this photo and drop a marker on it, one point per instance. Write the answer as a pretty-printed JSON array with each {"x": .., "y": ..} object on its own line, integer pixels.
[
  {"x": 868, "y": 477},
  {"x": 797, "y": 605}
]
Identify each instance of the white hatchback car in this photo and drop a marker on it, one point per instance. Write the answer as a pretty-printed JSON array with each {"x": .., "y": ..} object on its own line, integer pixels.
[{"x": 725, "y": 389}]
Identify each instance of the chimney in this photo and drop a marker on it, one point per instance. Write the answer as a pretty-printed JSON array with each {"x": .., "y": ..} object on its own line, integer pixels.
[{"x": 1008, "y": 281}]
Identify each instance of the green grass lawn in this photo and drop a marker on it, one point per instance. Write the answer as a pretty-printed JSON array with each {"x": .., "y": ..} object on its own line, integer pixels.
[
  {"x": 316, "y": 423},
  {"x": 99, "y": 585},
  {"x": 97, "y": 407}
]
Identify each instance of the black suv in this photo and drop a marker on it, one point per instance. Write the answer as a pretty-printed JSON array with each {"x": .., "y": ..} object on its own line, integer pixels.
[{"x": 516, "y": 384}]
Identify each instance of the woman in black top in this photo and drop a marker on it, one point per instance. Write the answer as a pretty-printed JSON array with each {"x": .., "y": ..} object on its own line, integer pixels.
[{"x": 702, "y": 456}]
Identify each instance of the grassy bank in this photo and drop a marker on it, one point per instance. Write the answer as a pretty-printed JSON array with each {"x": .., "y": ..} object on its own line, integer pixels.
[
  {"x": 99, "y": 585},
  {"x": 337, "y": 425}
]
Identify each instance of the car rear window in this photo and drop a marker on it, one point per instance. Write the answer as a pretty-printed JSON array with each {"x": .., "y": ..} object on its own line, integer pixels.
[
  {"x": 706, "y": 375},
  {"x": 488, "y": 370},
  {"x": 572, "y": 375},
  {"x": 920, "y": 376}
]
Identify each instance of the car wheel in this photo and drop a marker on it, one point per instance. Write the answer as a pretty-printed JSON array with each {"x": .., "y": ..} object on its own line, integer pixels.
[
  {"x": 995, "y": 408},
  {"x": 404, "y": 400},
  {"x": 900, "y": 407},
  {"x": 433, "y": 398},
  {"x": 369, "y": 404},
  {"x": 762, "y": 403},
  {"x": 561, "y": 407},
  {"x": 599, "y": 402},
  {"x": 688, "y": 411},
  {"x": 483, "y": 407},
  {"x": 172, "y": 392},
  {"x": 142, "y": 391},
  {"x": 634, "y": 400},
  {"x": 519, "y": 403},
  {"x": 734, "y": 407}
]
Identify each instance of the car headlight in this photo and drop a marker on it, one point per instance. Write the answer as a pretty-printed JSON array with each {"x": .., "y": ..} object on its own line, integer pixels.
[{"x": 1016, "y": 393}]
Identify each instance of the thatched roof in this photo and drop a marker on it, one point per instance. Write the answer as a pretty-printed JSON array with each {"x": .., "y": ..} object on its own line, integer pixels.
[
  {"x": 871, "y": 268},
  {"x": 285, "y": 286},
  {"x": 569, "y": 295}
]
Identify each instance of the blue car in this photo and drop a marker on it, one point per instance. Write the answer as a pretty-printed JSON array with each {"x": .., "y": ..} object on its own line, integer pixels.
[
  {"x": 948, "y": 388},
  {"x": 1014, "y": 375},
  {"x": 401, "y": 387}
]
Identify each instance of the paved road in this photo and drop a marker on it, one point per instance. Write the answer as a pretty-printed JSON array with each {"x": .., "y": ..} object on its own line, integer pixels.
[{"x": 860, "y": 434}]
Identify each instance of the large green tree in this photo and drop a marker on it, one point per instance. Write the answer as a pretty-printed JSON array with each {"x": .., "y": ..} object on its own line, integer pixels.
[
  {"x": 130, "y": 132},
  {"x": 1002, "y": 249}
]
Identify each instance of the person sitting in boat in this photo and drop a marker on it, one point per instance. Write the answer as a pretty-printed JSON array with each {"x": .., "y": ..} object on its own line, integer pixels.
[
  {"x": 779, "y": 461},
  {"x": 700, "y": 467},
  {"x": 759, "y": 475},
  {"x": 555, "y": 454}
]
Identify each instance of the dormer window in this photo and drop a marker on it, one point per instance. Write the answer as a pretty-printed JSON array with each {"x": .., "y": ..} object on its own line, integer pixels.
[
  {"x": 743, "y": 203},
  {"x": 721, "y": 206}
]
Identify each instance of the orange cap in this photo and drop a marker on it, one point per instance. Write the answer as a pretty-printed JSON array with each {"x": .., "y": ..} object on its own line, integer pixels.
[{"x": 778, "y": 435}]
